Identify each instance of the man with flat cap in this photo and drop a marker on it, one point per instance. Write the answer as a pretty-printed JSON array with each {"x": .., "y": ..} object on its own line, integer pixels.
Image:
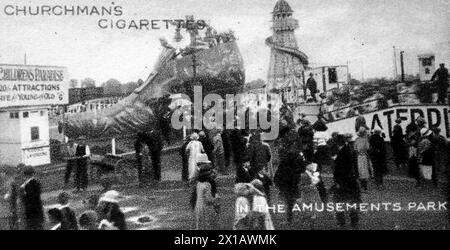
[{"x": 442, "y": 82}]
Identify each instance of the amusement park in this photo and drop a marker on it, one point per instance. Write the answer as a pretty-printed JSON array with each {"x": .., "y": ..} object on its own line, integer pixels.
[{"x": 200, "y": 142}]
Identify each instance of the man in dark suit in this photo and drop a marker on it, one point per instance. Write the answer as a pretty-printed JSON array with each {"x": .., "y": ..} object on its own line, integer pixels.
[
  {"x": 141, "y": 165},
  {"x": 442, "y": 82},
  {"x": 81, "y": 175},
  {"x": 155, "y": 145},
  {"x": 311, "y": 84},
  {"x": 346, "y": 186},
  {"x": 30, "y": 194},
  {"x": 71, "y": 164}
]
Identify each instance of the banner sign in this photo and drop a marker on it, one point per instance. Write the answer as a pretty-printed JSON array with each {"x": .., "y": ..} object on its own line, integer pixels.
[
  {"x": 31, "y": 85},
  {"x": 36, "y": 156},
  {"x": 434, "y": 115}
]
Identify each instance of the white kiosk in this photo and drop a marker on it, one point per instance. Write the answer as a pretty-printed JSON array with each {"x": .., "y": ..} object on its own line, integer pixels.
[
  {"x": 26, "y": 93},
  {"x": 426, "y": 66}
]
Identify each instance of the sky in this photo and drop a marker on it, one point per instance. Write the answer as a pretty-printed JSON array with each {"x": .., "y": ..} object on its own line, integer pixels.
[{"x": 360, "y": 33}]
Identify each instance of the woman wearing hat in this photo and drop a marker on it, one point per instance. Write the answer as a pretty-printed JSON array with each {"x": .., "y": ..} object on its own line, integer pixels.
[
  {"x": 310, "y": 194},
  {"x": 425, "y": 152},
  {"x": 193, "y": 150},
  {"x": 206, "y": 205},
  {"x": 112, "y": 215},
  {"x": 261, "y": 219},
  {"x": 251, "y": 212},
  {"x": 362, "y": 151}
]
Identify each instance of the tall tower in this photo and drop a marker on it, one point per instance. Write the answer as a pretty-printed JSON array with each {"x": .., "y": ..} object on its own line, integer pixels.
[{"x": 286, "y": 61}]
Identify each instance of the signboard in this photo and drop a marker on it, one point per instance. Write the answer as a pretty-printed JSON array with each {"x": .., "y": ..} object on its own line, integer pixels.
[
  {"x": 435, "y": 116},
  {"x": 30, "y": 85},
  {"x": 36, "y": 156},
  {"x": 426, "y": 66}
]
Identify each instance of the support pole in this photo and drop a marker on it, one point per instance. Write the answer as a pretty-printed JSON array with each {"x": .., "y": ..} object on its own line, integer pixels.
[{"x": 113, "y": 146}]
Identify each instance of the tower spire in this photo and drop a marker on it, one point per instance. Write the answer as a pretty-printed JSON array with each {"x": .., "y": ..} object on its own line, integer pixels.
[{"x": 286, "y": 60}]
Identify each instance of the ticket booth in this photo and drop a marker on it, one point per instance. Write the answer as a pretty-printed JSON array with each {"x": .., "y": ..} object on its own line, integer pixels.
[
  {"x": 24, "y": 136},
  {"x": 26, "y": 95}
]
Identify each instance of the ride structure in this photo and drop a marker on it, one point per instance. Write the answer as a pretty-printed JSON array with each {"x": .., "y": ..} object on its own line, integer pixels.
[
  {"x": 213, "y": 62},
  {"x": 286, "y": 60}
]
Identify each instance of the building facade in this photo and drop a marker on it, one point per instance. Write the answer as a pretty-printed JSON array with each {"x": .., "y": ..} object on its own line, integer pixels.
[{"x": 28, "y": 92}]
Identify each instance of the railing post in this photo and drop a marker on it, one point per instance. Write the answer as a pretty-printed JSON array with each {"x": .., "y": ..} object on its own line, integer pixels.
[{"x": 113, "y": 146}]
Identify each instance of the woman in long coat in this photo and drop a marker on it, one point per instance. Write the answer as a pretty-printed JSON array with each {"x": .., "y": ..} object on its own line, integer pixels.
[
  {"x": 205, "y": 207},
  {"x": 193, "y": 149},
  {"x": 362, "y": 151}
]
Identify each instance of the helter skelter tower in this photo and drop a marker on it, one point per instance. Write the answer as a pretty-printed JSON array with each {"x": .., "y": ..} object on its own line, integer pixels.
[{"x": 287, "y": 62}]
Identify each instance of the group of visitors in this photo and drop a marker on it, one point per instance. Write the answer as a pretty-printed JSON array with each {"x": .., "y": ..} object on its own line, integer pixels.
[
  {"x": 422, "y": 149},
  {"x": 370, "y": 151},
  {"x": 26, "y": 210},
  {"x": 206, "y": 154}
]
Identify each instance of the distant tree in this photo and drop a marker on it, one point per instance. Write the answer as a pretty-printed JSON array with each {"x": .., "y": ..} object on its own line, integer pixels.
[
  {"x": 73, "y": 83},
  {"x": 88, "y": 83},
  {"x": 129, "y": 87},
  {"x": 112, "y": 87}
]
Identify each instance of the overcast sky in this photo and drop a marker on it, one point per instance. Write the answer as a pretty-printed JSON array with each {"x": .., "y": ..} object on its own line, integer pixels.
[{"x": 360, "y": 32}]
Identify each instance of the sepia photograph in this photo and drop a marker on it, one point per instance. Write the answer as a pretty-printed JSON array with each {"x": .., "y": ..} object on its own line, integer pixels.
[{"x": 227, "y": 115}]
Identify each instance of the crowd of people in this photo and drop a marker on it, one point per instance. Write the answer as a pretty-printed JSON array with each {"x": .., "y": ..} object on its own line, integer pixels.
[
  {"x": 27, "y": 212},
  {"x": 420, "y": 151},
  {"x": 206, "y": 154}
]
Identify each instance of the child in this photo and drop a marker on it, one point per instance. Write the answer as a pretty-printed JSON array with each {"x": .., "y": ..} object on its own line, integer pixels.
[
  {"x": 266, "y": 183},
  {"x": 261, "y": 219},
  {"x": 206, "y": 206},
  {"x": 243, "y": 206},
  {"x": 88, "y": 220},
  {"x": 69, "y": 220},
  {"x": 113, "y": 216},
  {"x": 55, "y": 217},
  {"x": 309, "y": 192}
]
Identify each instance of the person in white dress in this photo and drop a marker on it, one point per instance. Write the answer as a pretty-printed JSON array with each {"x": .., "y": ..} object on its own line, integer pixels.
[
  {"x": 362, "y": 150},
  {"x": 193, "y": 149}
]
